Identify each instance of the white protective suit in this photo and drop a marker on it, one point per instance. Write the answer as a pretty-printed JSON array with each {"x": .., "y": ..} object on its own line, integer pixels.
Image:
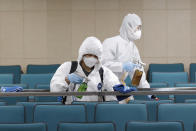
[
  {"x": 120, "y": 49},
  {"x": 91, "y": 45}
]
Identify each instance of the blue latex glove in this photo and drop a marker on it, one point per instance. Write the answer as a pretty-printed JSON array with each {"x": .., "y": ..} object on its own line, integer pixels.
[
  {"x": 60, "y": 98},
  {"x": 124, "y": 89},
  {"x": 129, "y": 66},
  {"x": 76, "y": 79},
  {"x": 11, "y": 89}
]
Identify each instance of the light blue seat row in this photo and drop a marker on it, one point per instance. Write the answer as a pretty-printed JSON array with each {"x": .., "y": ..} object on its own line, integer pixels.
[
  {"x": 181, "y": 98},
  {"x": 6, "y": 78},
  {"x": 178, "y": 112},
  {"x": 44, "y": 98},
  {"x": 154, "y": 126},
  {"x": 33, "y": 79},
  {"x": 15, "y": 70},
  {"x": 12, "y": 114},
  {"x": 29, "y": 108},
  {"x": 178, "y": 67},
  {"x": 13, "y": 100},
  {"x": 23, "y": 127},
  {"x": 153, "y": 85},
  {"x": 90, "y": 108},
  {"x": 53, "y": 114},
  {"x": 119, "y": 114},
  {"x": 42, "y": 69},
  {"x": 86, "y": 127},
  {"x": 152, "y": 107},
  {"x": 190, "y": 100}
]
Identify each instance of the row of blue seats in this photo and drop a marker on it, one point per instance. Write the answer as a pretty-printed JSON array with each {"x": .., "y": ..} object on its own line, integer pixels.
[
  {"x": 119, "y": 114},
  {"x": 130, "y": 126},
  {"x": 31, "y": 69},
  {"x": 179, "y": 67},
  {"x": 42, "y": 69}
]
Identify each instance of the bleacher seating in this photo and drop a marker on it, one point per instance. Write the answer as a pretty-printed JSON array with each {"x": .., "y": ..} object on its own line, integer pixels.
[
  {"x": 119, "y": 114},
  {"x": 42, "y": 69},
  {"x": 53, "y": 114},
  {"x": 24, "y": 127},
  {"x": 154, "y": 126},
  {"x": 178, "y": 67},
  {"x": 86, "y": 127}
]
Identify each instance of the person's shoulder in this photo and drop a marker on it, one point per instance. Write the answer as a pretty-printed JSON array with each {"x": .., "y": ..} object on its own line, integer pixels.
[
  {"x": 111, "y": 40},
  {"x": 66, "y": 64}
]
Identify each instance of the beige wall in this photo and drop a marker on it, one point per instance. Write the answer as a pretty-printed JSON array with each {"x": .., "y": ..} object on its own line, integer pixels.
[{"x": 51, "y": 31}]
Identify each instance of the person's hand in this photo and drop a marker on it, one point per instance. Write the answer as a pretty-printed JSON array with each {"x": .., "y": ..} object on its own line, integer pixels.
[
  {"x": 76, "y": 79},
  {"x": 129, "y": 66},
  {"x": 124, "y": 89}
]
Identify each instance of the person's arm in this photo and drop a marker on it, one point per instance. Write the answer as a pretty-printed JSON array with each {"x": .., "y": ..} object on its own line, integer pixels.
[
  {"x": 109, "y": 59},
  {"x": 109, "y": 80},
  {"x": 59, "y": 81}
]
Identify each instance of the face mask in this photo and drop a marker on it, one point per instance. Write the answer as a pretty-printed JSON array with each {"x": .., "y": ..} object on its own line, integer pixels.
[
  {"x": 90, "y": 61},
  {"x": 137, "y": 35}
]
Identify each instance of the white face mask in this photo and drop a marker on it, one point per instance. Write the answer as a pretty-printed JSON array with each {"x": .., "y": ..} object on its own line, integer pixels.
[
  {"x": 137, "y": 35},
  {"x": 90, "y": 61}
]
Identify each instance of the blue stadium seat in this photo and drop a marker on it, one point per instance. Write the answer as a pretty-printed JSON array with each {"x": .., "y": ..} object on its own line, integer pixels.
[
  {"x": 152, "y": 107},
  {"x": 29, "y": 107},
  {"x": 181, "y": 98},
  {"x": 90, "y": 108},
  {"x": 154, "y": 126},
  {"x": 42, "y": 69},
  {"x": 178, "y": 67},
  {"x": 13, "y": 100},
  {"x": 192, "y": 70},
  {"x": 190, "y": 100},
  {"x": 12, "y": 114},
  {"x": 53, "y": 114},
  {"x": 12, "y": 69},
  {"x": 3, "y": 103},
  {"x": 153, "y": 85},
  {"x": 178, "y": 112},
  {"x": 44, "y": 98},
  {"x": 120, "y": 113},
  {"x": 170, "y": 77},
  {"x": 34, "y": 79},
  {"x": 23, "y": 127},
  {"x": 86, "y": 127},
  {"x": 6, "y": 78}
]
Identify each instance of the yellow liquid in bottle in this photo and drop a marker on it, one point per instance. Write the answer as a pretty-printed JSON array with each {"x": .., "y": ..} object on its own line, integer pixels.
[{"x": 136, "y": 77}]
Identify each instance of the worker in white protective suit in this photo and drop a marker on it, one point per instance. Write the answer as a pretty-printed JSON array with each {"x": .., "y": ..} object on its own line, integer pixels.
[
  {"x": 119, "y": 51},
  {"x": 87, "y": 71}
]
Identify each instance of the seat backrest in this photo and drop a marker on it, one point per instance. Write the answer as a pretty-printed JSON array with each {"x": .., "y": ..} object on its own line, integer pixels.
[
  {"x": 6, "y": 79},
  {"x": 12, "y": 69},
  {"x": 29, "y": 108},
  {"x": 154, "y": 126},
  {"x": 181, "y": 98},
  {"x": 192, "y": 70},
  {"x": 178, "y": 112},
  {"x": 86, "y": 127},
  {"x": 42, "y": 69},
  {"x": 90, "y": 108},
  {"x": 33, "y": 79},
  {"x": 53, "y": 114},
  {"x": 44, "y": 98},
  {"x": 13, "y": 100},
  {"x": 170, "y": 77},
  {"x": 190, "y": 100},
  {"x": 23, "y": 127},
  {"x": 178, "y": 67},
  {"x": 152, "y": 107},
  {"x": 120, "y": 113},
  {"x": 12, "y": 114}
]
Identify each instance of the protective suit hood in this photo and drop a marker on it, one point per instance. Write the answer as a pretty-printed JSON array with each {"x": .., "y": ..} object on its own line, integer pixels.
[
  {"x": 91, "y": 45},
  {"x": 129, "y": 24}
]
